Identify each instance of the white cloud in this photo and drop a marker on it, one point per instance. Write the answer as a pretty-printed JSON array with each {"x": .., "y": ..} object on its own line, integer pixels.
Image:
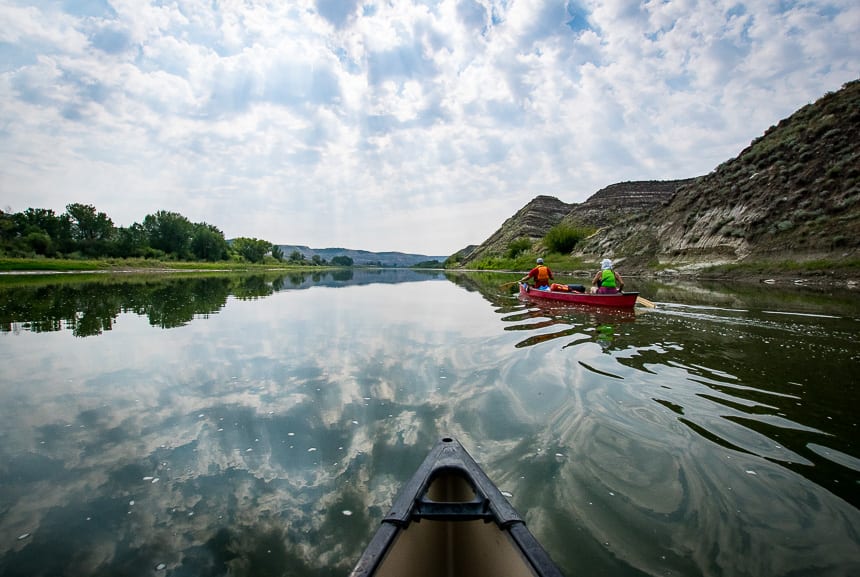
[{"x": 403, "y": 125}]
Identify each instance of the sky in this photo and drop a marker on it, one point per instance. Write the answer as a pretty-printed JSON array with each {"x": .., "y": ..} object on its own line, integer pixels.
[{"x": 391, "y": 125}]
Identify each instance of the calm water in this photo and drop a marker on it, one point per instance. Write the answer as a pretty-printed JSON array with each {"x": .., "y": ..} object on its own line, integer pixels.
[{"x": 263, "y": 425}]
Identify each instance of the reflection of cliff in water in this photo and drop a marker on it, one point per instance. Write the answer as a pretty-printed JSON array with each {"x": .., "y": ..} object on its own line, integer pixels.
[
  {"x": 834, "y": 300},
  {"x": 90, "y": 307}
]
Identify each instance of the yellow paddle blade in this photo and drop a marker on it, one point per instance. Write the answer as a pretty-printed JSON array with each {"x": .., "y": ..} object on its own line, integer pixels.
[{"x": 645, "y": 302}]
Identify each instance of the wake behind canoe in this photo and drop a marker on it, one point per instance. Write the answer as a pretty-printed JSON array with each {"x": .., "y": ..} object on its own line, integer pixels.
[{"x": 451, "y": 520}]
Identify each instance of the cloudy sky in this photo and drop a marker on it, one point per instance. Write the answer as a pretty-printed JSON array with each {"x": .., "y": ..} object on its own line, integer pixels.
[{"x": 408, "y": 125}]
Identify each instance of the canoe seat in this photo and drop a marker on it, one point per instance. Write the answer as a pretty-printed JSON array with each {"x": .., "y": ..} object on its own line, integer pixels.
[{"x": 450, "y": 497}]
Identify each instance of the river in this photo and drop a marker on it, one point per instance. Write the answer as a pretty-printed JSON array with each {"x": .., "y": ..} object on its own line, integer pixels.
[{"x": 262, "y": 424}]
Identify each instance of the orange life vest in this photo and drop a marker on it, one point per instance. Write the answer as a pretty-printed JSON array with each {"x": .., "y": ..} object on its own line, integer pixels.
[{"x": 542, "y": 276}]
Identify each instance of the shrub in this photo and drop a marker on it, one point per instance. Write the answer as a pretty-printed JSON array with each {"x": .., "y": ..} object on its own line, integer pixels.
[
  {"x": 518, "y": 247},
  {"x": 562, "y": 238},
  {"x": 834, "y": 171}
]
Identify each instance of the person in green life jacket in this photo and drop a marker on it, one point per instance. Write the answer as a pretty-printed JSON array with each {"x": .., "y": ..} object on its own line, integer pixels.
[
  {"x": 607, "y": 281},
  {"x": 541, "y": 273}
]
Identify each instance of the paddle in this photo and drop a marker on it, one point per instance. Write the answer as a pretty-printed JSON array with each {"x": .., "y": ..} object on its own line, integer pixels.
[
  {"x": 507, "y": 284},
  {"x": 645, "y": 302}
]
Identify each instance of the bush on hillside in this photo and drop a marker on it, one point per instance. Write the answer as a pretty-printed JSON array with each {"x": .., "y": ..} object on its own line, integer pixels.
[
  {"x": 562, "y": 238},
  {"x": 519, "y": 246}
]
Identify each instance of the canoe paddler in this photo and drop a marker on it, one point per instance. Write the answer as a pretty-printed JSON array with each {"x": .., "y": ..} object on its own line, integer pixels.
[
  {"x": 607, "y": 281},
  {"x": 541, "y": 275}
]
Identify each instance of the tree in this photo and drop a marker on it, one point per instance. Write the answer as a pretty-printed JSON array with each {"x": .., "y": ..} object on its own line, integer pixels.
[
  {"x": 87, "y": 224},
  {"x": 34, "y": 224},
  {"x": 7, "y": 227},
  {"x": 90, "y": 230},
  {"x": 208, "y": 243},
  {"x": 169, "y": 232},
  {"x": 277, "y": 253},
  {"x": 342, "y": 261},
  {"x": 317, "y": 260},
  {"x": 131, "y": 241},
  {"x": 39, "y": 242},
  {"x": 251, "y": 249},
  {"x": 297, "y": 257},
  {"x": 427, "y": 264},
  {"x": 47, "y": 221}
]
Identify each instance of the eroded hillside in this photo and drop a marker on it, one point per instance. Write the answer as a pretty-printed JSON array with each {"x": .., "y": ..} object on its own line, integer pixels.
[
  {"x": 794, "y": 193},
  {"x": 623, "y": 201}
]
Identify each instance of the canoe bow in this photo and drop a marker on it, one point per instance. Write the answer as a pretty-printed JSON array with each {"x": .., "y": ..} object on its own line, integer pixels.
[{"x": 450, "y": 490}]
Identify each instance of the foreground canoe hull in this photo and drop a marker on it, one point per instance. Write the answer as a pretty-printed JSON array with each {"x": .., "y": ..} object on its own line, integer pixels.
[
  {"x": 620, "y": 300},
  {"x": 451, "y": 520}
]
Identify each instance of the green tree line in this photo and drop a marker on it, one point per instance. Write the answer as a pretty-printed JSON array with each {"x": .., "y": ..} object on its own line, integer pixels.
[{"x": 84, "y": 232}]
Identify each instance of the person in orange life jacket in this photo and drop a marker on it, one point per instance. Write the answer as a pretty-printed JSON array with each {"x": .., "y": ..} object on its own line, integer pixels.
[
  {"x": 541, "y": 273},
  {"x": 607, "y": 281}
]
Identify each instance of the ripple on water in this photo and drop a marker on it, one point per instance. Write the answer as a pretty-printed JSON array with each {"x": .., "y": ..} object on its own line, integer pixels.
[{"x": 835, "y": 456}]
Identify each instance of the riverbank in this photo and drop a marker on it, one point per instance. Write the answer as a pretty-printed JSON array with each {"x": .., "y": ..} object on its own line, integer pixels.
[
  {"x": 813, "y": 272},
  {"x": 22, "y": 266},
  {"x": 820, "y": 272}
]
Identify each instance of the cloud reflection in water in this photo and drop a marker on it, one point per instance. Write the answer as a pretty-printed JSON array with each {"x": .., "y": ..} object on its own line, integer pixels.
[
  {"x": 243, "y": 438},
  {"x": 261, "y": 424}
]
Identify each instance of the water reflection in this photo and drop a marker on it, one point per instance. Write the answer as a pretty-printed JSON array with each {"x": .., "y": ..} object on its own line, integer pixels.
[
  {"x": 237, "y": 444},
  {"x": 90, "y": 308},
  {"x": 268, "y": 430},
  {"x": 743, "y": 382},
  {"x": 762, "y": 393},
  {"x": 582, "y": 323}
]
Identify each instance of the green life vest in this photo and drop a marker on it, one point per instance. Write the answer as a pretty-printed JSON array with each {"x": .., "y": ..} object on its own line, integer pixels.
[{"x": 607, "y": 279}]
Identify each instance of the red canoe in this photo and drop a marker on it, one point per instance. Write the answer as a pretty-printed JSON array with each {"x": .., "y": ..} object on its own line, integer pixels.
[{"x": 619, "y": 300}]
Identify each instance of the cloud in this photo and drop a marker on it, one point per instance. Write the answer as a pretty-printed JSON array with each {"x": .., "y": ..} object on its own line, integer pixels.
[
  {"x": 337, "y": 12},
  {"x": 334, "y": 111}
]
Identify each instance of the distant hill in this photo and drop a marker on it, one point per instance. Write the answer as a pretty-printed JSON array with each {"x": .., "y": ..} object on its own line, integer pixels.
[
  {"x": 793, "y": 194},
  {"x": 362, "y": 257},
  {"x": 356, "y": 276},
  {"x": 532, "y": 221}
]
